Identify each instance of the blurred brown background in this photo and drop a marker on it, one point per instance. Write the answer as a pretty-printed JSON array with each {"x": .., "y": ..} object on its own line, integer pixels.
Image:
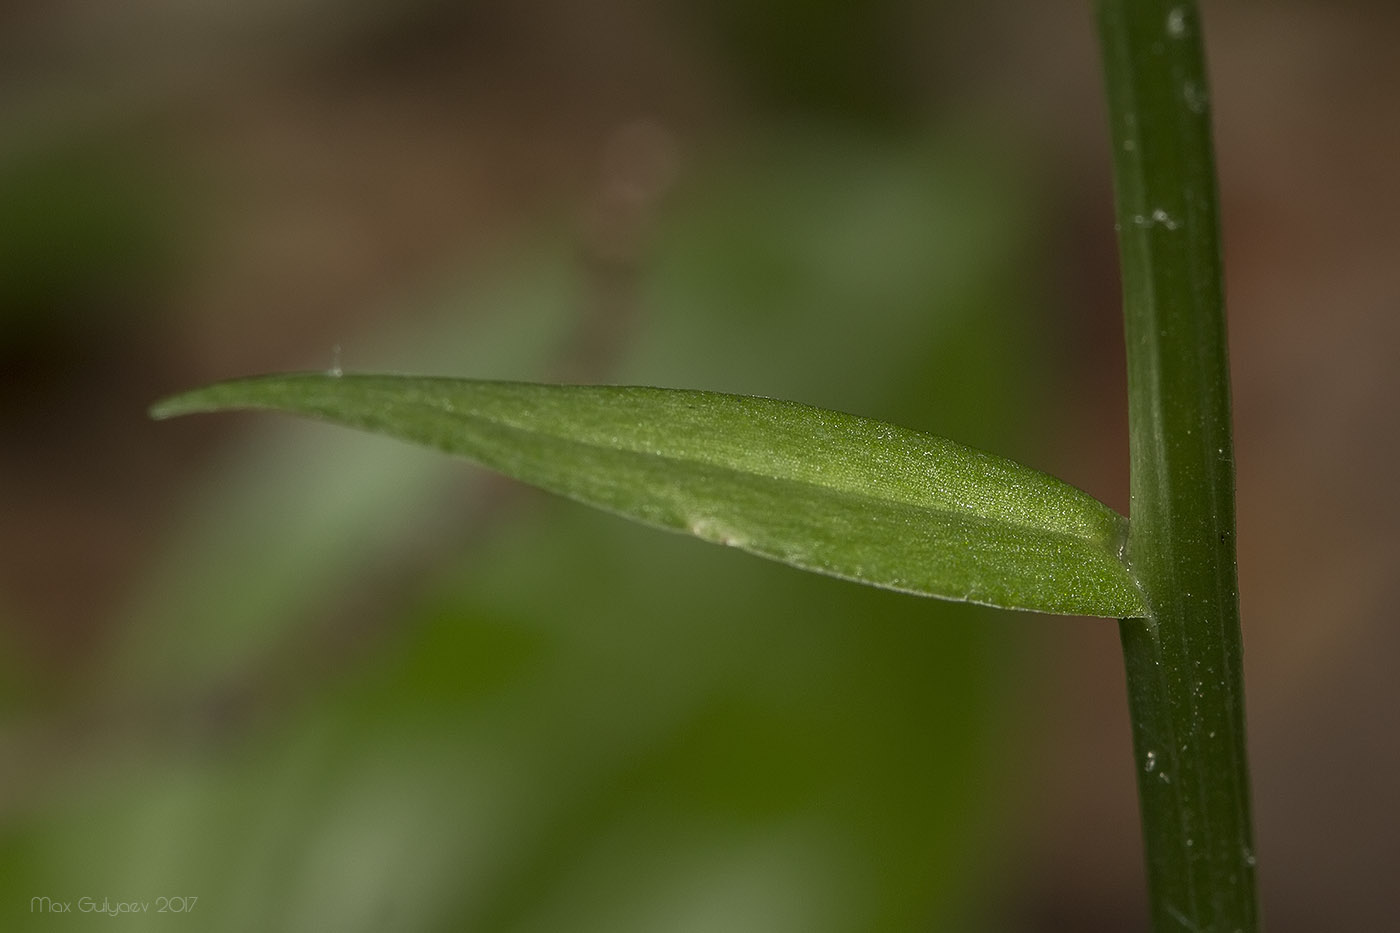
[{"x": 196, "y": 191}]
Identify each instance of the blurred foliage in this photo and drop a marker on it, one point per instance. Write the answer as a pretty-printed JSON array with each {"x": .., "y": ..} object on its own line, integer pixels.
[
  {"x": 817, "y": 59},
  {"x": 79, "y": 225},
  {"x": 559, "y": 721}
]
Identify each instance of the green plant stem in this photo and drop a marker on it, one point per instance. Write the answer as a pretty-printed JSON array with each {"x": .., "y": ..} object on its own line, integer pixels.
[{"x": 1185, "y": 681}]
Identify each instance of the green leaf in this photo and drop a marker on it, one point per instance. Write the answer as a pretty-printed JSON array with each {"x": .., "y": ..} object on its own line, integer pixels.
[{"x": 816, "y": 489}]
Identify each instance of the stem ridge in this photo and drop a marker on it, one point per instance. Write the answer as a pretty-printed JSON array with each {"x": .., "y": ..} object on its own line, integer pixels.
[{"x": 1183, "y": 663}]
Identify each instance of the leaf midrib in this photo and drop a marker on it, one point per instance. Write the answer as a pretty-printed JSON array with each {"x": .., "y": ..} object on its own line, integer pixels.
[{"x": 850, "y": 493}]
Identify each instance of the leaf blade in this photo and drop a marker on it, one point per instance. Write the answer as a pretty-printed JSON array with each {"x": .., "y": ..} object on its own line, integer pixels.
[{"x": 815, "y": 489}]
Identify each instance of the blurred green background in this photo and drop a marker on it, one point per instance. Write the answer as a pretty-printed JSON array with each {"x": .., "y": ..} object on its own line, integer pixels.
[{"x": 319, "y": 680}]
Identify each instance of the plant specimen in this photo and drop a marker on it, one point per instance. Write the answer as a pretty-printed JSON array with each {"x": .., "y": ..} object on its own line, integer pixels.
[{"x": 893, "y": 508}]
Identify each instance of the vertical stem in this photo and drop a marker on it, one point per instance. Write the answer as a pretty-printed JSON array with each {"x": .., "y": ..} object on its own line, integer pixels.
[{"x": 1185, "y": 682}]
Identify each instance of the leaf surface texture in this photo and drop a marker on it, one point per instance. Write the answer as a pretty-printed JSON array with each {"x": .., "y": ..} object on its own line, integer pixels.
[{"x": 819, "y": 490}]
